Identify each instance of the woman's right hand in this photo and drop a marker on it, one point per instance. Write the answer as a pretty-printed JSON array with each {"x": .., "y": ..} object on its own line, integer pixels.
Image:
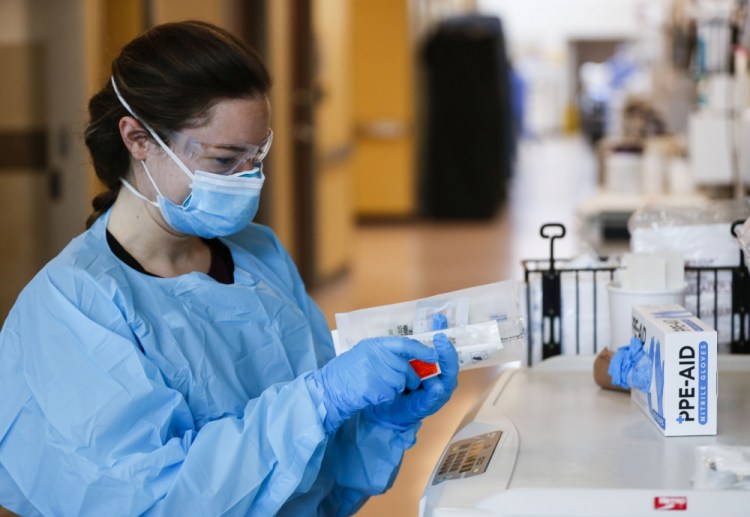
[{"x": 373, "y": 372}]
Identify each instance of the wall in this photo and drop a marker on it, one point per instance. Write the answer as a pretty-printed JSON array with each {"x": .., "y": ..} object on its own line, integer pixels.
[
  {"x": 73, "y": 43},
  {"x": 218, "y": 12},
  {"x": 383, "y": 81},
  {"x": 50, "y": 50},
  {"x": 280, "y": 179},
  {"x": 22, "y": 151},
  {"x": 334, "y": 138}
]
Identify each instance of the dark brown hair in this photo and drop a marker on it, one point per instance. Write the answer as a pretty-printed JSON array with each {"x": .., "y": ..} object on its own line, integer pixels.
[{"x": 171, "y": 76}]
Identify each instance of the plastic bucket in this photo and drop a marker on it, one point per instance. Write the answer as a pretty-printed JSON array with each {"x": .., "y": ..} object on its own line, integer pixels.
[{"x": 621, "y": 302}]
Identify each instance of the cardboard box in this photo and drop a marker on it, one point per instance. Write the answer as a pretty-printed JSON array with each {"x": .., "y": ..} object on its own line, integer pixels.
[{"x": 684, "y": 386}]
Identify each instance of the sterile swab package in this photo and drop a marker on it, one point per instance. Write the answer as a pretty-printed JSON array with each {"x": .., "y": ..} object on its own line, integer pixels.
[{"x": 484, "y": 324}]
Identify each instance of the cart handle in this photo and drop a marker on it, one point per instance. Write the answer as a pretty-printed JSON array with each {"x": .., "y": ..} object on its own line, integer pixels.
[
  {"x": 733, "y": 231},
  {"x": 735, "y": 224},
  {"x": 552, "y": 238}
]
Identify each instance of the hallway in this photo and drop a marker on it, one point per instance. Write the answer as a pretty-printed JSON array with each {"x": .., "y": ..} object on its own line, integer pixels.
[{"x": 399, "y": 262}]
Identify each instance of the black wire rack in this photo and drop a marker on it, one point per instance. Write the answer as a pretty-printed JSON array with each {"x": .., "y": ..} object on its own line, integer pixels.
[{"x": 552, "y": 270}]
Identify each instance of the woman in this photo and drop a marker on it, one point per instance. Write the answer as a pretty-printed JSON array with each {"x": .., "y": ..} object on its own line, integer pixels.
[{"x": 169, "y": 360}]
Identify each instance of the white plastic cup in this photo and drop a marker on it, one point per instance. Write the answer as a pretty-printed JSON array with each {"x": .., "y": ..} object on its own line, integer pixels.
[
  {"x": 621, "y": 302},
  {"x": 623, "y": 173}
]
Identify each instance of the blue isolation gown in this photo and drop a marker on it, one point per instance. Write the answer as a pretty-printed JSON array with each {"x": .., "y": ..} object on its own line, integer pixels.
[{"x": 127, "y": 394}]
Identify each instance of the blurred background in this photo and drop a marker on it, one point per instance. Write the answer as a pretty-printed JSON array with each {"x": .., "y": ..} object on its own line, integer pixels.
[{"x": 419, "y": 144}]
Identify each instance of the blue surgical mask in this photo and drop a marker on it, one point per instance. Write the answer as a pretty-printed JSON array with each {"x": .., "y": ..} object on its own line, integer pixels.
[{"x": 218, "y": 205}]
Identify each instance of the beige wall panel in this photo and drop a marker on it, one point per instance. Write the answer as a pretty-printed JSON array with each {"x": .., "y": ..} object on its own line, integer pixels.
[
  {"x": 69, "y": 66},
  {"x": 218, "y": 12},
  {"x": 335, "y": 228},
  {"x": 383, "y": 62},
  {"x": 383, "y": 78},
  {"x": 21, "y": 191},
  {"x": 333, "y": 115},
  {"x": 384, "y": 184},
  {"x": 22, "y": 115},
  {"x": 95, "y": 44},
  {"x": 22, "y": 89},
  {"x": 280, "y": 177},
  {"x": 14, "y": 21},
  {"x": 123, "y": 21},
  {"x": 163, "y": 11},
  {"x": 334, "y": 218}
]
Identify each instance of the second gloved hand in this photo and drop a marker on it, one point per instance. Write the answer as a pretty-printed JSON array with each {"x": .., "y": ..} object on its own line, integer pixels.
[
  {"x": 375, "y": 371},
  {"x": 410, "y": 408}
]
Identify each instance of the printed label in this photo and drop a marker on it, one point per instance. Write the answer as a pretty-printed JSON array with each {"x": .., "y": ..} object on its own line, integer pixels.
[
  {"x": 686, "y": 399},
  {"x": 703, "y": 383},
  {"x": 669, "y": 503}
]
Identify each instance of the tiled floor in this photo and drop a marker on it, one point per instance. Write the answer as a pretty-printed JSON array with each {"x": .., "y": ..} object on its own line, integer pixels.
[{"x": 393, "y": 263}]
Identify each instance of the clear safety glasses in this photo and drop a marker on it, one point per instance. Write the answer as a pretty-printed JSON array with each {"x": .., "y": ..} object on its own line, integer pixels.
[{"x": 219, "y": 158}]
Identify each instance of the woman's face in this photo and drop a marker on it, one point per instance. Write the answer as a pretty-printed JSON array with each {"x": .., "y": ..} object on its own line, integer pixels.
[{"x": 235, "y": 127}]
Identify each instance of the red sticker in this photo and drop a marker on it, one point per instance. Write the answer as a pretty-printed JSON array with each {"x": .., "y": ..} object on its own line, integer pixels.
[
  {"x": 670, "y": 503},
  {"x": 424, "y": 370}
]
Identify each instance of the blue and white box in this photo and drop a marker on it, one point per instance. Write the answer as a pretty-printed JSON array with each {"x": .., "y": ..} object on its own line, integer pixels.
[{"x": 684, "y": 385}]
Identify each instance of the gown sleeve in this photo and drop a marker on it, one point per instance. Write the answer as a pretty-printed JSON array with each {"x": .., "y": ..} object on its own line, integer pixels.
[
  {"x": 89, "y": 427},
  {"x": 363, "y": 458}
]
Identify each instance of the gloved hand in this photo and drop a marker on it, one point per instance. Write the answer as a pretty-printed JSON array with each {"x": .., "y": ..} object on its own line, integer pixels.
[
  {"x": 373, "y": 372},
  {"x": 410, "y": 408},
  {"x": 630, "y": 367}
]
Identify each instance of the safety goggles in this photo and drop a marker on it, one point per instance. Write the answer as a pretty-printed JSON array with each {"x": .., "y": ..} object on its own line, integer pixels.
[{"x": 219, "y": 158}]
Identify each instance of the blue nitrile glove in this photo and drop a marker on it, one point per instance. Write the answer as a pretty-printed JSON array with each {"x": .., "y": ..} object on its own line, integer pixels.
[
  {"x": 373, "y": 372},
  {"x": 410, "y": 408},
  {"x": 630, "y": 367},
  {"x": 439, "y": 321}
]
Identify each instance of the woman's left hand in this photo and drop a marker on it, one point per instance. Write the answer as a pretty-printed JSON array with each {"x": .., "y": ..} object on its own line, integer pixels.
[{"x": 412, "y": 406}]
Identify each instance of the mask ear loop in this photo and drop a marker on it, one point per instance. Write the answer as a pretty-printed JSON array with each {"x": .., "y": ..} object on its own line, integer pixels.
[
  {"x": 137, "y": 194},
  {"x": 158, "y": 139}
]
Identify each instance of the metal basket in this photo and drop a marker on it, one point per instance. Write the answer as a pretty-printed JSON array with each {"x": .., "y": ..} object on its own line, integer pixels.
[{"x": 551, "y": 271}]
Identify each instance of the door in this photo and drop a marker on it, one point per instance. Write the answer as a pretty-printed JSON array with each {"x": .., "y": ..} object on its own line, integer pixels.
[
  {"x": 383, "y": 78},
  {"x": 334, "y": 145},
  {"x": 47, "y": 53}
]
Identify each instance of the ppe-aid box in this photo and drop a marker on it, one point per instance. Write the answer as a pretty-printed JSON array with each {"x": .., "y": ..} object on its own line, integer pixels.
[{"x": 683, "y": 394}]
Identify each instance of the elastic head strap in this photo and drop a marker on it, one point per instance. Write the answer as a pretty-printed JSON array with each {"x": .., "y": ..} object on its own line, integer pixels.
[{"x": 158, "y": 139}]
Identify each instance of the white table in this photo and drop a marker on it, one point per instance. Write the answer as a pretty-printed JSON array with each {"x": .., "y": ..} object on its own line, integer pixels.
[{"x": 568, "y": 447}]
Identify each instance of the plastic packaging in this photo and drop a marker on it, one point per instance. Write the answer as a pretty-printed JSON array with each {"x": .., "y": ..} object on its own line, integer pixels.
[
  {"x": 716, "y": 212},
  {"x": 702, "y": 234},
  {"x": 478, "y": 343},
  {"x": 484, "y": 323},
  {"x": 722, "y": 467}
]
